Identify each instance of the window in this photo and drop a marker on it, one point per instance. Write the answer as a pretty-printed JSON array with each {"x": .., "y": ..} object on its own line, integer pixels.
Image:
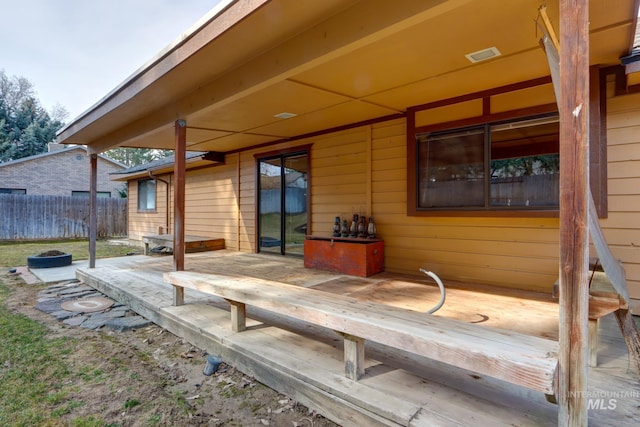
[
  {"x": 13, "y": 191},
  {"x": 87, "y": 194},
  {"x": 499, "y": 166},
  {"x": 147, "y": 195}
]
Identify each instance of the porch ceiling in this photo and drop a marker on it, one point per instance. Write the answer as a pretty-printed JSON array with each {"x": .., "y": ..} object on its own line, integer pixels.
[{"x": 332, "y": 63}]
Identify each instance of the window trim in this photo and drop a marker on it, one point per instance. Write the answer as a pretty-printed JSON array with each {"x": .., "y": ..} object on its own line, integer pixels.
[
  {"x": 84, "y": 193},
  {"x": 597, "y": 138},
  {"x": 17, "y": 191},
  {"x": 484, "y": 128},
  {"x": 155, "y": 196}
]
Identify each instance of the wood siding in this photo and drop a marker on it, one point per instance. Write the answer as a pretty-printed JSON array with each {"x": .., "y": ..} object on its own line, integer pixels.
[
  {"x": 364, "y": 170},
  {"x": 510, "y": 252},
  {"x": 211, "y": 202},
  {"x": 622, "y": 227},
  {"x": 146, "y": 223}
]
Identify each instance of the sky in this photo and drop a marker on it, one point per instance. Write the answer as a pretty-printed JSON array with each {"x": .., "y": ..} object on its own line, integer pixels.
[{"x": 75, "y": 52}]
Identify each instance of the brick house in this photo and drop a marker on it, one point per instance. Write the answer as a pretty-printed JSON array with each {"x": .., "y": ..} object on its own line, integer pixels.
[{"x": 63, "y": 171}]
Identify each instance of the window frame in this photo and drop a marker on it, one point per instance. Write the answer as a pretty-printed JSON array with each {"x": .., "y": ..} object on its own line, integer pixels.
[
  {"x": 141, "y": 183},
  {"x": 486, "y": 130},
  {"x": 597, "y": 139},
  {"x": 82, "y": 193},
  {"x": 18, "y": 191}
]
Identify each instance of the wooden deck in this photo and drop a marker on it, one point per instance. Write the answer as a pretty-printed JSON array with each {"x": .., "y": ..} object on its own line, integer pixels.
[{"x": 305, "y": 362}]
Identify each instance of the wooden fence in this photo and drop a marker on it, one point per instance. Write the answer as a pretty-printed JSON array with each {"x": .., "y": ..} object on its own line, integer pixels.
[{"x": 25, "y": 217}]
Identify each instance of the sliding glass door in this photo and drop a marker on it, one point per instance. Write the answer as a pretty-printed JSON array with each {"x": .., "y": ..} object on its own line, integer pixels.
[{"x": 282, "y": 203}]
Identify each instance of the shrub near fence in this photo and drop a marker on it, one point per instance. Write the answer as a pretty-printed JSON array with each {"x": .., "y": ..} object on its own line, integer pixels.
[{"x": 27, "y": 217}]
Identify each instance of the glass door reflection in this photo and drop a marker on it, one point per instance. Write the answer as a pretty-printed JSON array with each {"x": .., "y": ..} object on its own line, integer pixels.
[{"x": 282, "y": 205}]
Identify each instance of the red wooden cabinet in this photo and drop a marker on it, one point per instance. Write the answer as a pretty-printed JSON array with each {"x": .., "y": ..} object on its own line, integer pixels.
[{"x": 353, "y": 256}]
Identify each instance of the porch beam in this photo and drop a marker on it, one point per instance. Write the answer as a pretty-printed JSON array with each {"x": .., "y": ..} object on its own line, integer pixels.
[
  {"x": 574, "y": 238},
  {"x": 178, "y": 204},
  {"x": 93, "y": 214}
]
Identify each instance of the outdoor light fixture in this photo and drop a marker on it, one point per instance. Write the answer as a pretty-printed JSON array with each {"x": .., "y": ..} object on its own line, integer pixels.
[
  {"x": 285, "y": 115},
  {"x": 483, "y": 55},
  {"x": 631, "y": 62}
]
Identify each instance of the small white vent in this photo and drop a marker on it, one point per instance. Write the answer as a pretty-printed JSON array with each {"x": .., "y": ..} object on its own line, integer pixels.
[{"x": 483, "y": 55}]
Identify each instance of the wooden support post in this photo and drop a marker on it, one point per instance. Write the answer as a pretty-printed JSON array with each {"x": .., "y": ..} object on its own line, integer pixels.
[
  {"x": 593, "y": 342},
  {"x": 353, "y": 357},
  {"x": 178, "y": 194},
  {"x": 238, "y": 316},
  {"x": 178, "y": 295},
  {"x": 574, "y": 238},
  {"x": 93, "y": 210}
]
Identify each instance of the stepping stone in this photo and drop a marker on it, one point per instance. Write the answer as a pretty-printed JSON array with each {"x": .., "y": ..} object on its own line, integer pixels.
[
  {"x": 109, "y": 314},
  {"x": 93, "y": 324},
  {"x": 76, "y": 289},
  {"x": 119, "y": 305},
  {"x": 75, "y": 321},
  {"x": 122, "y": 324},
  {"x": 63, "y": 314},
  {"x": 49, "y": 306},
  {"x": 82, "y": 294},
  {"x": 95, "y": 294}
]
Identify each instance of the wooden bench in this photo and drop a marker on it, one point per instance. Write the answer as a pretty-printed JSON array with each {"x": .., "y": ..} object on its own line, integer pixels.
[
  {"x": 510, "y": 356},
  {"x": 191, "y": 243},
  {"x": 600, "y": 304}
]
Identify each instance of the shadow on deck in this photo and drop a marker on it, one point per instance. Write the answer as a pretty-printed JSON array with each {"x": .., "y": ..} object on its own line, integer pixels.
[{"x": 305, "y": 362}]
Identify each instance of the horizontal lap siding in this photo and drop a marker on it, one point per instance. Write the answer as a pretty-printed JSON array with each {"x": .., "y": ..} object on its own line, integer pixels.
[
  {"x": 211, "y": 202},
  {"x": 211, "y": 205},
  {"x": 247, "y": 214},
  {"x": 510, "y": 252},
  {"x": 146, "y": 223},
  {"x": 338, "y": 178},
  {"x": 622, "y": 227}
]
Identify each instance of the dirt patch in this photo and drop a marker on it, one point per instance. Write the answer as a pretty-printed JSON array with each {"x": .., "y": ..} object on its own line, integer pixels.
[
  {"x": 150, "y": 377},
  {"x": 50, "y": 253}
]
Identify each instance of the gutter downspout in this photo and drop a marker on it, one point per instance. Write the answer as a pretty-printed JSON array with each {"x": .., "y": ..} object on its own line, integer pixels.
[{"x": 167, "y": 187}]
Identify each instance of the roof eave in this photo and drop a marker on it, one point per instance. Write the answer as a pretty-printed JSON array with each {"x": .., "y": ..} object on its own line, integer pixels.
[{"x": 137, "y": 81}]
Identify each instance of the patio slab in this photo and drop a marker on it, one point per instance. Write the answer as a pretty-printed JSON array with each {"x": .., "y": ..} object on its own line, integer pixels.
[{"x": 68, "y": 272}]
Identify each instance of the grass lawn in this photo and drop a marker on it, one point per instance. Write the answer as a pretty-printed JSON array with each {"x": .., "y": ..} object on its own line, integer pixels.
[
  {"x": 33, "y": 370},
  {"x": 13, "y": 254}
]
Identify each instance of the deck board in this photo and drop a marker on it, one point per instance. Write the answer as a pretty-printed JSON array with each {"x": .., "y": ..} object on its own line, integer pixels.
[{"x": 305, "y": 362}]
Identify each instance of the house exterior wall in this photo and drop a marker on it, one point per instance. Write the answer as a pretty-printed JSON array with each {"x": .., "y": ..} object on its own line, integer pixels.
[
  {"x": 211, "y": 205},
  {"x": 59, "y": 174},
  {"x": 211, "y": 202},
  {"x": 622, "y": 227},
  {"x": 364, "y": 170},
  {"x": 143, "y": 223}
]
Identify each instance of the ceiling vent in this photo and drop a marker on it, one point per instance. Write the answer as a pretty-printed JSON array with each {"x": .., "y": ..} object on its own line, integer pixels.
[
  {"x": 483, "y": 55},
  {"x": 285, "y": 115}
]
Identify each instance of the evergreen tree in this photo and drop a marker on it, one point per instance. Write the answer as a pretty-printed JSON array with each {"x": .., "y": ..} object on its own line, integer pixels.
[
  {"x": 136, "y": 156},
  {"x": 25, "y": 127}
]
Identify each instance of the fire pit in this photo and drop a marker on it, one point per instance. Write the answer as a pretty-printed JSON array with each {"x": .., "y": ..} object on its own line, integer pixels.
[{"x": 49, "y": 259}]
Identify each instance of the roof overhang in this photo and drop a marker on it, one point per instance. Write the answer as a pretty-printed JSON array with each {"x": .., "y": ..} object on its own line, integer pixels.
[
  {"x": 331, "y": 63},
  {"x": 165, "y": 166}
]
